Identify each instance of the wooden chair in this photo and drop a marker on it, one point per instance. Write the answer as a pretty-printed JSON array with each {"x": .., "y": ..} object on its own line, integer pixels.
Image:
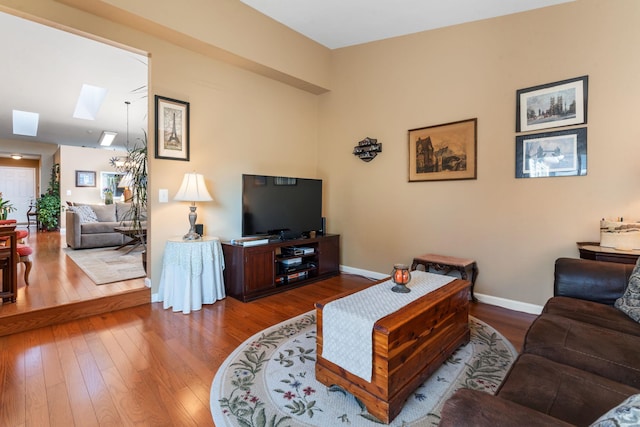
[
  {"x": 9, "y": 266},
  {"x": 24, "y": 250},
  {"x": 32, "y": 216}
]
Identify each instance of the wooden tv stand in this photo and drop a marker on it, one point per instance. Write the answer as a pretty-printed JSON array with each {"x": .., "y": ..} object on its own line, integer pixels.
[{"x": 257, "y": 271}]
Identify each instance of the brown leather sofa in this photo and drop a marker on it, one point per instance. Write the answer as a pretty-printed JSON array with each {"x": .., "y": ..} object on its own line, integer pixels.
[{"x": 581, "y": 357}]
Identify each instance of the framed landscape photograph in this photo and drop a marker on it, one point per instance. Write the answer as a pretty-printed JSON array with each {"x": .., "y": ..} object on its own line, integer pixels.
[
  {"x": 443, "y": 152},
  {"x": 562, "y": 103},
  {"x": 85, "y": 178},
  {"x": 172, "y": 129},
  {"x": 560, "y": 153}
]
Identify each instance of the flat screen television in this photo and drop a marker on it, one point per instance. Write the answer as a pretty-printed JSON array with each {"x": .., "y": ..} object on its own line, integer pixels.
[{"x": 284, "y": 206}]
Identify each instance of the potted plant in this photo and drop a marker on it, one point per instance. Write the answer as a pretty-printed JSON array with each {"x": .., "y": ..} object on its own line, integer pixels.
[
  {"x": 134, "y": 167},
  {"x": 5, "y": 208},
  {"x": 48, "y": 205},
  {"x": 108, "y": 196}
]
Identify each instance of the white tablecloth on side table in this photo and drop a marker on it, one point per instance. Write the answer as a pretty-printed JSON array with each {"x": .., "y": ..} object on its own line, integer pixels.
[{"x": 191, "y": 273}]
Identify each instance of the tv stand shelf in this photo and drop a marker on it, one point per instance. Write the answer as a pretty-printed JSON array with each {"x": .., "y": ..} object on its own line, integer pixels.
[{"x": 253, "y": 272}]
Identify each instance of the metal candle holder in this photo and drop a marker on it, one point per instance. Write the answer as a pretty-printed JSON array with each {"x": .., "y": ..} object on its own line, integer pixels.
[{"x": 401, "y": 276}]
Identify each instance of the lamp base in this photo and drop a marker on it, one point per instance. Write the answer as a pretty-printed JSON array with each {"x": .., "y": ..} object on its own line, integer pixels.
[{"x": 191, "y": 236}]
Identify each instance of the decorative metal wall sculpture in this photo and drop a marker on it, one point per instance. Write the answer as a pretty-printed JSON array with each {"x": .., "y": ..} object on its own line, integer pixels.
[{"x": 367, "y": 149}]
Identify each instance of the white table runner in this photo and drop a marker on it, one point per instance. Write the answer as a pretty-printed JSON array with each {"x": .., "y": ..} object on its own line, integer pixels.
[{"x": 347, "y": 323}]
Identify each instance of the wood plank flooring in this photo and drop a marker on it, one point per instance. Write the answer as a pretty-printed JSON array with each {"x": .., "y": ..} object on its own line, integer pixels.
[
  {"x": 56, "y": 280},
  {"x": 148, "y": 366}
]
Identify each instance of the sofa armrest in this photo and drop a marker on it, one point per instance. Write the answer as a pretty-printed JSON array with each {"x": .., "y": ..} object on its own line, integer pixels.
[
  {"x": 477, "y": 408},
  {"x": 73, "y": 230},
  {"x": 598, "y": 281}
]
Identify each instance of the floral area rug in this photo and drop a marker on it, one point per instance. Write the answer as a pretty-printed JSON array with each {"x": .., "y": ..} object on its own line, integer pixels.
[{"x": 269, "y": 381}]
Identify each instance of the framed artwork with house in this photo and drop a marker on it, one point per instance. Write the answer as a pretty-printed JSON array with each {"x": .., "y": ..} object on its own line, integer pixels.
[{"x": 443, "y": 152}]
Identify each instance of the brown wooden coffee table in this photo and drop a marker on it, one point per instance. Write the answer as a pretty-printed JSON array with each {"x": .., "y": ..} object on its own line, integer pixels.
[{"x": 408, "y": 346}]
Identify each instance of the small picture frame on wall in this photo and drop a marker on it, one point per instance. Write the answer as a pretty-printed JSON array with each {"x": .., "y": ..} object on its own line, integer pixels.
[
  {"x": 85, "y": 178},
  {"x": 443, "y": 152},
  {"x": 172, "y": 129},
  {"x": 552, "y": 105},
  {"x": 549, "y": 154}
]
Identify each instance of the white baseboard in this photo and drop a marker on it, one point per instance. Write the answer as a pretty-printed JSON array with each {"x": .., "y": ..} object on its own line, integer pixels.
[
  {"x": 524, "y": 307},
  {"x": 487, "y": 299}
]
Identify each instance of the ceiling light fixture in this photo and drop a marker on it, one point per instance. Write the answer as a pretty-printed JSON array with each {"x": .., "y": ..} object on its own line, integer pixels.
[
  {"x": 107, "y": 138},
  {"x": 16, "y": 156}
]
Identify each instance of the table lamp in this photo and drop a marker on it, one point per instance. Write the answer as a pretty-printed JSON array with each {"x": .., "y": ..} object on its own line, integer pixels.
[{"x": 193, "y": 190}]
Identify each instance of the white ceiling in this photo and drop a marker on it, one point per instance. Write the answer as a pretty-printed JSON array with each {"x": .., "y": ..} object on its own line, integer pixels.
[
  {"x": 43, "y": 71},
  {"x": 340, "y": 23},
  {"x": 44, "y": 68}
]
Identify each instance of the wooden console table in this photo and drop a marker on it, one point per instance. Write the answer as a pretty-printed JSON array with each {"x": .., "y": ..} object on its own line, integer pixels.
[{"x": 593, "y": 250}]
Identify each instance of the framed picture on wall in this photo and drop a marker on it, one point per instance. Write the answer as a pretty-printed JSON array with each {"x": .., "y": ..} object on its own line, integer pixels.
[
  {"x": 172, "y": 129},
  {"x": 443, "y": 152},
  {"x": 85, "y": 178},
  {"x": 560, "y": 153},
  {"x": 551, "y": 105}
]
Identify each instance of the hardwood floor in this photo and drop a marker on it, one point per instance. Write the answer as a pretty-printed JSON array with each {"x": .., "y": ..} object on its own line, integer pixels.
[
  {"x": 59, "y": 290},
  {"x": 145, "y": 365}
]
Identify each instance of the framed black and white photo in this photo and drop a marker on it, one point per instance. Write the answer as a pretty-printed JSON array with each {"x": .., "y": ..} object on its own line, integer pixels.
[
  {"x": 172, "y": 129},
  {"x": 549, "y": 154},
  {"x": 551, "y": 105}
]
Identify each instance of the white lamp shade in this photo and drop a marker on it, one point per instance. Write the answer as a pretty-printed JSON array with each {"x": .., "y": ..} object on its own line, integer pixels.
[
  {"x": 126, "y": 181},
  {"x": 193, "y": 189}
]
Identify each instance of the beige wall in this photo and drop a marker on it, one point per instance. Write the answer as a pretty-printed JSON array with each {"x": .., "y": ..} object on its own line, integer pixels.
[
  {"x": 242, "y": 121},
  {"x": 74, "y": 159},
  {"x": 514, "y": 228}
]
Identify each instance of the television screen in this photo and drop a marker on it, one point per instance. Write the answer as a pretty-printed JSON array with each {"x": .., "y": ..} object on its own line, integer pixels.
[{"x": 289, "y": 207}]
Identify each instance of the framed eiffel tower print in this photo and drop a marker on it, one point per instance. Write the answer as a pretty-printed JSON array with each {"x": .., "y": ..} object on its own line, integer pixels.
[{"x": 172, "y": 129}]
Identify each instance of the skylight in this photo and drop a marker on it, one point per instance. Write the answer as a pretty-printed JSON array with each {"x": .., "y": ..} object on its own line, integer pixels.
[
  {"x": 107, "y": 138},
  {"x": 89, "y": 102},
  {"x": 25, "y": 123}
]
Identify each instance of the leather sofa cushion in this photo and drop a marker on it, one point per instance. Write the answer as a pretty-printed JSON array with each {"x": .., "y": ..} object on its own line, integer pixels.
[
  {"x": 601, "y": 351},
  {"x": 597, "y": 281},
  {"x": 468, "y": 407},
  {"x": 561, "y": 391},
  {"x": 593, "y": 313}
]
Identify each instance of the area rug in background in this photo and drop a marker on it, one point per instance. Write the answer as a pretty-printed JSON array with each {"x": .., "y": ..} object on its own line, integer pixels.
[
  {"x": 269, "y": 380},
  {"x": 107, "y": 265}
]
